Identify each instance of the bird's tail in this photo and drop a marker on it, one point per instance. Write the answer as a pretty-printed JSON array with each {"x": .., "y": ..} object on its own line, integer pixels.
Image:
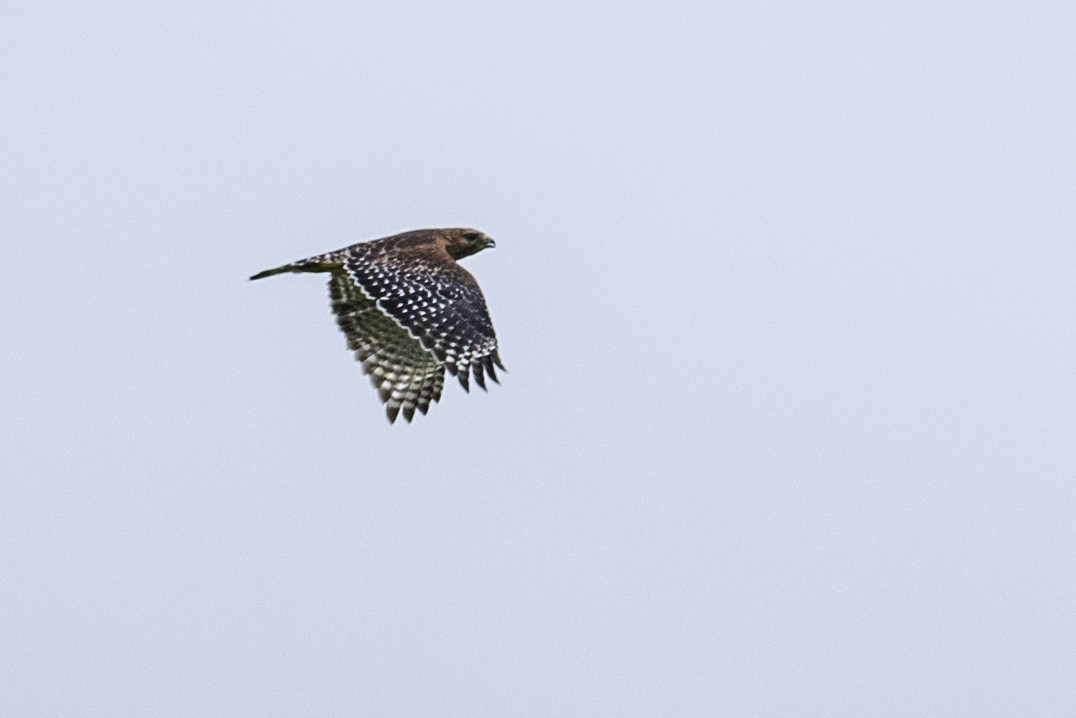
[{"x": 314, "y": 264}]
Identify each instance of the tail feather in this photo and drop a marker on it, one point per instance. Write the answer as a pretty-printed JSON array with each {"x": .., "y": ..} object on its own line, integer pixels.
[
  {"x": 314, "y": 264},
  {"x": 271, "y": 272}
]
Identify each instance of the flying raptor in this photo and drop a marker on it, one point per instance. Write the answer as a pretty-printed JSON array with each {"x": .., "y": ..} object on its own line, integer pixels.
[{"x": 410, "y": 311}]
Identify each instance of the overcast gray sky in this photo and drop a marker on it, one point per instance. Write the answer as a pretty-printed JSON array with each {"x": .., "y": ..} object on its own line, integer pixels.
[{"x": 786, "y": 295}]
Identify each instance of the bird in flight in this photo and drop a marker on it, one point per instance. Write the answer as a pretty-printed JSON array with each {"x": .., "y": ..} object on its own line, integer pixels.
[{"x": 409, "y": 312}]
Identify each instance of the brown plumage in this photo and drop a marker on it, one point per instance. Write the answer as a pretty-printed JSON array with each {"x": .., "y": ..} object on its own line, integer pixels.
[{"x": 409, "y": 311}]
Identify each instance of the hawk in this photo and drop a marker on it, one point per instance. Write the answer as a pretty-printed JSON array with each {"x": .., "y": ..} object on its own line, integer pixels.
[{"x": 409, "y": 312}]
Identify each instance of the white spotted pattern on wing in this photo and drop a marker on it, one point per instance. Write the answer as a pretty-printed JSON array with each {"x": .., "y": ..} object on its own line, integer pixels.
[
  {"x": 406, "y": 375},
  {"x": 438, "y": 303}
]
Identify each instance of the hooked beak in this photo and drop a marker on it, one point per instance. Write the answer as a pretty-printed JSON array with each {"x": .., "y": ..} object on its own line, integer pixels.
[{"x": 490, "y": 242}]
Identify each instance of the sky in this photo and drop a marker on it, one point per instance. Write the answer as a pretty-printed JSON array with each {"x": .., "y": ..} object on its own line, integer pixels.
[{"x": 785, "y": 294}]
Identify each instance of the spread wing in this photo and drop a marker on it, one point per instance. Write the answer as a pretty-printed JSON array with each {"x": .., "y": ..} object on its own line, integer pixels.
[
  {"x": 405, "y": 373},
  {"x": 438, "y": 303}
]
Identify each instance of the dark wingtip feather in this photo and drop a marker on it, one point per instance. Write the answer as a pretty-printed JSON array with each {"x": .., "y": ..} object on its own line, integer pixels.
[
  {"x": 464, "y": 381},
  {"x": 392, "y": 412},
  {"x": 479, "y": 378},
  {"x": 488, "y": 362},
  {"x": 409, "y": 412}
]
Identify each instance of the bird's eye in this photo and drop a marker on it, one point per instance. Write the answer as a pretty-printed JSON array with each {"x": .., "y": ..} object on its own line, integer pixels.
[{"x": 472, "y": 236}]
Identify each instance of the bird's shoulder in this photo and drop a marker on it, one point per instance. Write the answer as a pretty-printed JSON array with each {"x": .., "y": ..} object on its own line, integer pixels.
[
  {"x": 414, "y": 258},
  {"x": 421, "y": 246}
]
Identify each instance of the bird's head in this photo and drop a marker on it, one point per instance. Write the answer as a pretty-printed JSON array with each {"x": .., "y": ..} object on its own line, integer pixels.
[{"x": 462, "y": 242}]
